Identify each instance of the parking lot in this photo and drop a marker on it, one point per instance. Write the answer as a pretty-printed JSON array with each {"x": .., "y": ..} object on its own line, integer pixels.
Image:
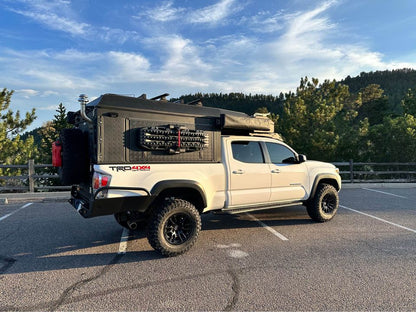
[{"x": 364, "y": 259}]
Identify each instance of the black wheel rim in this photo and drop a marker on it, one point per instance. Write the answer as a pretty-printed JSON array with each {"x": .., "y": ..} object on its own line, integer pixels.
[
  {"x": 178, "y": 228},
  {"x": 329, "y": 204}
]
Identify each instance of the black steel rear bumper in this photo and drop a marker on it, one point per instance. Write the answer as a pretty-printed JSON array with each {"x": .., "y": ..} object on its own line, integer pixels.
[{"x": 88, "y": 205}]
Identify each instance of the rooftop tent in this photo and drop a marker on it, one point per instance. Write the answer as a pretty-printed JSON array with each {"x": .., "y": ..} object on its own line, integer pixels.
[{"x": 133, "y": 103}]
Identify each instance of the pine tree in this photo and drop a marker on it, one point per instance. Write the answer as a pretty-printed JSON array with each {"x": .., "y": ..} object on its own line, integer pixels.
[
  {"x": 308, "y": 121},
  {"x": 409, "y": 102},
  {"x": 13, "y": 149}
]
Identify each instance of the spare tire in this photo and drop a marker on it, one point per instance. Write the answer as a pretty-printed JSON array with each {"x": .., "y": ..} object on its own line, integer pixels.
[{"x": 75, "y": 157}]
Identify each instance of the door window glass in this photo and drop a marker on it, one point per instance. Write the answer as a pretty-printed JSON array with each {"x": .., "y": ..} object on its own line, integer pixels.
[
  {"x": 247, "y": 151},
  {"x": 280, "y": 154}
]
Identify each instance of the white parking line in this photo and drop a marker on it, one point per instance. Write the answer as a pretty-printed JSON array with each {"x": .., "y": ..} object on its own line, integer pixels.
[
  {"x": 122, "y": 249},
  {"x": 385, "y": 193},
  {"x": 268, "y": 228},
  {"x": 12, "y": 213},
  {"x": 379, "y": 219}
]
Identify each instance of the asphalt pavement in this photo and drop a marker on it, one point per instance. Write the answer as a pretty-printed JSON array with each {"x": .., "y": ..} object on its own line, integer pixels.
[{"x": 53, "y": 259}]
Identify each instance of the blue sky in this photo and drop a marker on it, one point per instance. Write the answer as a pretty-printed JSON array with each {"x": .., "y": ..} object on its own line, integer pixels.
[{"x": 52, "y": 51}]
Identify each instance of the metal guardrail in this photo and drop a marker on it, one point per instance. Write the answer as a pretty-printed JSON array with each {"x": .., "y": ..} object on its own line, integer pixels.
[{"x": 351, "y": 172}]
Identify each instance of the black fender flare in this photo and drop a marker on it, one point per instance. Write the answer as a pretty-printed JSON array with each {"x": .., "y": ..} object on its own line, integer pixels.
[
  {"x": 329, "y": 177},
  {"x": 161, "y": 186}
]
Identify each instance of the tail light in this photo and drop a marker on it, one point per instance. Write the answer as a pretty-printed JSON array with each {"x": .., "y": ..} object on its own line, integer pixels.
[{"x": 100, "y": 180}]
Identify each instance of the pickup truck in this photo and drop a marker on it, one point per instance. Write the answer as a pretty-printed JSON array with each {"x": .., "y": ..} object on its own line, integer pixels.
[{"x": 161, "y": 172}]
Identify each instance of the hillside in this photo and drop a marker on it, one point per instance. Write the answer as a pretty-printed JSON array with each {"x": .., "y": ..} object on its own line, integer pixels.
[{"x": 395, "y": 84}]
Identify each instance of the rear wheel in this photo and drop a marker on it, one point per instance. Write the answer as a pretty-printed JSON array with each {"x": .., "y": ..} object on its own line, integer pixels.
[
  {"x": 324, "y": 205},
  {"x": 174, "y": 227}
]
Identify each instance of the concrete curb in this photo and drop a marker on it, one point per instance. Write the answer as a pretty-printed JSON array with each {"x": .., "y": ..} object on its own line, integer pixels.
[
  {"x": 378, "y": 185},
  {"x": 8, "y": 198}
]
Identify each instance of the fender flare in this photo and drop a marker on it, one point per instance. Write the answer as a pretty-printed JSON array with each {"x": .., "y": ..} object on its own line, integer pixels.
[
  {"x": 161, "y": 186},
  {"x": 325, "y": 176}
]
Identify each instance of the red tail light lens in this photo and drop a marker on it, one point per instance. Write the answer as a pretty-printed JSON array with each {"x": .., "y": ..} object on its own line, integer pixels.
[{"x": 100, "y": 180}]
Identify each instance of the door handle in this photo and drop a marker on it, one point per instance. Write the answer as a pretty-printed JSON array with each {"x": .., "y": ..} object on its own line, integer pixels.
[
  {"x": 239, "y": 171},
  {"x": 275, "y": 170}
]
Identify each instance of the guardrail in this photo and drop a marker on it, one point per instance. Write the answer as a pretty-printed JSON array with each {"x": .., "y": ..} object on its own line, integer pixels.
[
  {"x": 30, "y": 180},
  {"x": 362, "y": 172},
  {"x": 351, "y": 172}
]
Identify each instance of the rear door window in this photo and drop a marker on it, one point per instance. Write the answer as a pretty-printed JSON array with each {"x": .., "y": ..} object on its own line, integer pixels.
[{"x": 247, "y": 151}]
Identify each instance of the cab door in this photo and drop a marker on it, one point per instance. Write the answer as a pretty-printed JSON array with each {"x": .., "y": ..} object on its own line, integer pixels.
[
  {"x": 289, "y": 178},
  {"x": 248, "y": 173}
]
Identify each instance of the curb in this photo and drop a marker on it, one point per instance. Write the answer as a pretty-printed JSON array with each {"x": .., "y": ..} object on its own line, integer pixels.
[
  {"x": 378, "y": 185},
  {"x": 8, "y": 198}
]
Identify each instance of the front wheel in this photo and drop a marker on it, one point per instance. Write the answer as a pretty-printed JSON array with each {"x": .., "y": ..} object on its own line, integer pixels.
[
  {"x": 174, "y": 227},
  {"x": 324, "y": 205}
]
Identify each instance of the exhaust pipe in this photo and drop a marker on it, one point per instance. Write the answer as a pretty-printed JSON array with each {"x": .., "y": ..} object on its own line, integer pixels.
[
  {"x": 132, "y": 225},
  {"x": 83, "y": 99}
]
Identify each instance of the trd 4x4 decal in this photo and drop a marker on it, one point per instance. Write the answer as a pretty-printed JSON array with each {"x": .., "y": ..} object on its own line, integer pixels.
[{"x": 130, "y": 168}]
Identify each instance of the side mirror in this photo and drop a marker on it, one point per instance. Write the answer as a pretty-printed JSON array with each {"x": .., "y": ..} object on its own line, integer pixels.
[{"x": 301, "y": 158}]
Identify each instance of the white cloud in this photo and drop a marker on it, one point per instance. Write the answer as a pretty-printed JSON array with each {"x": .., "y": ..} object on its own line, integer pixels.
[
  {"x": 58, "y": 15},
  {"x": 117, "y": 35},
  {"x": 49, "y": 93},
  {"x": 215, "y": 13},
  {"x": 264, "y": 22},
  {"x": 212, "y": 14},
  {"x": 48, "y": 108},
  {"x": 27, "y": 93},
  {"x": 163, "y": 13},
  {"x": 54, "y": 15},
  {"x": 126, "y": 67}
]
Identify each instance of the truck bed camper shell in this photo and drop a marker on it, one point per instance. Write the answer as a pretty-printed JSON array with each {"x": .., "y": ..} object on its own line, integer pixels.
[{"x": 125, "y": 129}]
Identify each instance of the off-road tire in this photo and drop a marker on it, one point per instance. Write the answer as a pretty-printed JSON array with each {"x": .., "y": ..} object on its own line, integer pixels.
[
  {"x": 324, "y": 205},
  {"x": 174, "y": 227},
  {"x": 75, "y": 159}
]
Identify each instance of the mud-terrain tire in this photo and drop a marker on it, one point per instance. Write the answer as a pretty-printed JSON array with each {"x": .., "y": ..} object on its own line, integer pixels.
[
  {"x": 174, "y": 227},
  {"x": 75, "y": 157},
  {"x": 324, "y": 205}
]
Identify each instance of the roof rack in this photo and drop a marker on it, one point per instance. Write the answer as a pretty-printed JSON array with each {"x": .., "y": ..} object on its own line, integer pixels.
[
  {"x": 161, "y": 97},
  {"x": 272, "y": 135}
]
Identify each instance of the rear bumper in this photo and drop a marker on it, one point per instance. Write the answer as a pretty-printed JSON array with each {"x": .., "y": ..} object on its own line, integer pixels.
[{"x": 89, "y": 206}]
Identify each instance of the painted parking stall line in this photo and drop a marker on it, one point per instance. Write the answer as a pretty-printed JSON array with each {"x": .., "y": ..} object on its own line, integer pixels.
[
  {"x": 385, "y": 193},
  {"x": 268, "y": 228},
  {"x": 122, "y": 249},
  {"x": 12, "y": 213},
  {"x": 380, "y": 219}
]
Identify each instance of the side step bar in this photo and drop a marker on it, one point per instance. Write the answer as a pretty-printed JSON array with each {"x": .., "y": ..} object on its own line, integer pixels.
[{"x": 237, "y": 210}]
